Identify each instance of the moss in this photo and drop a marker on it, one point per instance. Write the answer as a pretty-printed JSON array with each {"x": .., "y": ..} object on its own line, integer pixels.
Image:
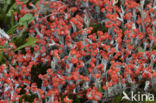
[
  {"x": 20, "y": 41},
  {"x": 77, "y": 100},
  {"x": 100, "y": 89},
  {"x": 35, "y": 71},
  {"x": 98, "y": 27},
  {"x": 154, "y": 46},
  {"x": 117, "y": 99},
  {"x": 28, "y": 98}
]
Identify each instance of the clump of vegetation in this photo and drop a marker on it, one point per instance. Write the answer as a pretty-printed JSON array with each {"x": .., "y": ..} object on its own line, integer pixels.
[{"x": 63, "y": 51}]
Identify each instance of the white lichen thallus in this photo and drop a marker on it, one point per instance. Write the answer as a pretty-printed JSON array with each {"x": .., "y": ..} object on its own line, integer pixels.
[{"x": 3, "y": 34}]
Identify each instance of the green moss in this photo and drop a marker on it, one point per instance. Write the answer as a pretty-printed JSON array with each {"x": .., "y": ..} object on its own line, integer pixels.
[
  {"x": 1, "y": 56},
  {"x": 77, "y": 100},
  {"x": 117, "y": 99},
  {"x": 19, "y": 41},
  {"x": 35, "y": 71},
  {"x": 98, "y": 27},
  {"x": 100, "y": 89},
  {"x": 28, "y": 98}
]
